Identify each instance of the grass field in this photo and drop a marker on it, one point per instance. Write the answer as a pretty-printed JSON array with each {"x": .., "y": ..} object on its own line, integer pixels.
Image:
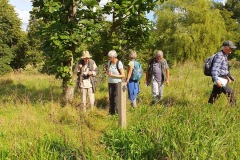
[{"x": 33, "y": 125}]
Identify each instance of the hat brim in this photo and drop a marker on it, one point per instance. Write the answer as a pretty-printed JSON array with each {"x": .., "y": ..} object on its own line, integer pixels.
[
  {"x": 87, "y": 57},
  {"x": 233, "y": 47}
]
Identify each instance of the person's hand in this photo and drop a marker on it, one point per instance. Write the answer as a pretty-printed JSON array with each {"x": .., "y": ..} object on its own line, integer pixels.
[
  {"x": 229, "y": 80},
  {"x": 145, "y": 82},
  {"x": 218, "y": 83},
  {"x": 167, "y": 82},
  {"x": 109, "y": 74},
  {"x": 79, "y": 66},
  {"x": 90, "y": 73}
]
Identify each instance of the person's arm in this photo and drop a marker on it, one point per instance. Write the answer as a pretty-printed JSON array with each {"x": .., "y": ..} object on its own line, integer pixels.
[
  {"x": 147, "y": 74},
  {"x": 167, "y": 76},
  {"x": 122, "y": 73},
  {"x": 130, "y": 70},
  {"x": 146, "y": 77}
]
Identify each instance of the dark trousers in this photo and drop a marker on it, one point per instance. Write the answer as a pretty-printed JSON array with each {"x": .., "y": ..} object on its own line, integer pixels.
[
  {"x": 112, "y": 91},
  {"x": 216, "y": 91}
]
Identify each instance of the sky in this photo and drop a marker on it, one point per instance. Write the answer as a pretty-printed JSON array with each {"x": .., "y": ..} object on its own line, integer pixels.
[{"x": 22, "y": 8}]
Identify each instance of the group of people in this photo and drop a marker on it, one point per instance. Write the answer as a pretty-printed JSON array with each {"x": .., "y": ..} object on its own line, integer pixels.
[{"x": 157, "y": 73}]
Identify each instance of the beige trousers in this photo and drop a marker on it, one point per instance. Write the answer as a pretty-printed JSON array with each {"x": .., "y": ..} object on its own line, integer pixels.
[{"x": 84, "y": 93}]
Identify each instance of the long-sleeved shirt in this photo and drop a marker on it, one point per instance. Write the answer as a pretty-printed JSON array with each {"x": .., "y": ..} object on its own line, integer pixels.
[{"x": 219, "y": 66}]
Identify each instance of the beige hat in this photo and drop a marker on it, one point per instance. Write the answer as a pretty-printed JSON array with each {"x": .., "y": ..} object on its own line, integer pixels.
[{"x": 86, "y": 55}]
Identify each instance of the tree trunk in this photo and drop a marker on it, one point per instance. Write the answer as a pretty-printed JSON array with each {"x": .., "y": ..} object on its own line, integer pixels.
[
  {"x": 68, "y": 94},
  {"x": 68, "y": 87}
]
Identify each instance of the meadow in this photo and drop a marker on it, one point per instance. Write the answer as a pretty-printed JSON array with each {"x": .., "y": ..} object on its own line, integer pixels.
[{"x": 34, "y": 125}]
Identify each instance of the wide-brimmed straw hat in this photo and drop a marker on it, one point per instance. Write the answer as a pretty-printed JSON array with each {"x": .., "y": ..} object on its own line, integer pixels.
[{"x": 86, "y": 55}]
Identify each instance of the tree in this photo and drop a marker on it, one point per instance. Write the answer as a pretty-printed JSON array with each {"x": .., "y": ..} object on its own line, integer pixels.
[
  {"x": 20, "y": 59},
  {"x": 67, "y": 26},
  {"x": 233, "y": 6},
  {"x": 10, "y": 35},
  {"x": 231, "y": 14},
  {"x": 190, "y": 30},
  {"x": 129, "y": 27},
  {"x": 70, "y": 26},
  {"x": 34, "y": 54}
]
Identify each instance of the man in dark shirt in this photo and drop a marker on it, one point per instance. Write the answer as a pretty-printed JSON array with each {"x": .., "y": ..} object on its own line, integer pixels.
[
  {"x": 157, "y": 74},
  {"x": 220, "y": 74}
]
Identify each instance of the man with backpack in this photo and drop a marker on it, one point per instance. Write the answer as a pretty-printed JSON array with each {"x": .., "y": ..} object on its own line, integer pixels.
[
  {"x": 157, "y": 73},
  {"x": 134, "y": 75},
  {"x": 220, "y": 74}
]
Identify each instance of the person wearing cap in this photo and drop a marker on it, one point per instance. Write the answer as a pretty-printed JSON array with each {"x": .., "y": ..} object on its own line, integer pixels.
[
  {"x": 87, "y": 71},
  {"x": 115, "y": 72},
  {"x": 220, "y": 71},
  {"x": 157, "y": 73}
]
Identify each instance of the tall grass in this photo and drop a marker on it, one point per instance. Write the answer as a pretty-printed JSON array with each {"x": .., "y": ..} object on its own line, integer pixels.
[
  {"x": 182, "y": 126},
  {"x": 33, "y": 125}
]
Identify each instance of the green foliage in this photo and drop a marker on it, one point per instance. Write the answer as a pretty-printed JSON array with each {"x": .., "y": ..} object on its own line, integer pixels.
[
  {"x": 129, "y": 28},
  {"x": 34, "y": 38},
  {"x": 233, "y": 6},
  {"x": 10, "y": 36},
  {"x": 6, "y": 55},
  {"x": 231, "y": 14},
  {"x": 20, "y": 59},
  {"x": 190, "y": 30},
  {"x": 133, "y": 143}
]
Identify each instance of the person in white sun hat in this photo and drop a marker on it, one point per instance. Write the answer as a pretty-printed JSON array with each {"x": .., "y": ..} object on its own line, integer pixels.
[{"x": 87, "y": 71}]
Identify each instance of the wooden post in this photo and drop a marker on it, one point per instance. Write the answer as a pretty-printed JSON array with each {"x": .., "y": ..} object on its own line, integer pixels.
[{"x": 121, "y": 104}]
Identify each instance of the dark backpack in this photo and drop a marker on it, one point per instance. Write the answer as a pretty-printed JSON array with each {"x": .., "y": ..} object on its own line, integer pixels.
[
  {"x": 137, "y": 71},
  {"x": 207, "y": 69}
]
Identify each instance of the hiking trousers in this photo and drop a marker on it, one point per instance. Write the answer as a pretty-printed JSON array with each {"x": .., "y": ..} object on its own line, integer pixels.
[
  {"x": 216, "y": 91},
  {"x": 87, "y": 92},
  {"x": 112, "y": 91},
  {"x": 157, "y": 90}
]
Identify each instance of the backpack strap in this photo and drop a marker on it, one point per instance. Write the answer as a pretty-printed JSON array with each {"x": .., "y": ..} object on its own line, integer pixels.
[{"x": 116, "y": 66}]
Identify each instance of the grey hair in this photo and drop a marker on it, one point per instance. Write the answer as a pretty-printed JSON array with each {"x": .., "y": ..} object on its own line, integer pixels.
[
  {"x": 159, "y": 53},
  {"x": 112, "y": 53},
  {"x": 133, "y": 54}
]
